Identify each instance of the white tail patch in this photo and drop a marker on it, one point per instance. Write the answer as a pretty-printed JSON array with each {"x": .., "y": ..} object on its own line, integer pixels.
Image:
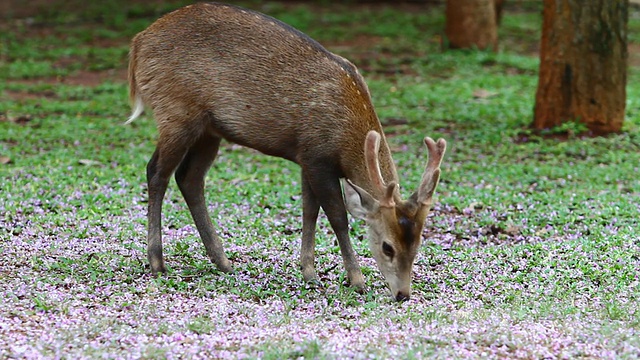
[{"x": 138, "y": 108}]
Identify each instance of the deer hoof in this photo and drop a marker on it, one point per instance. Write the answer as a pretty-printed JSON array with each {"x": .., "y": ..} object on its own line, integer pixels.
[
  {"x": 313, "y": 283},
  {"x": 157, "y": 268},
  {"x": 226, "y": 267}
]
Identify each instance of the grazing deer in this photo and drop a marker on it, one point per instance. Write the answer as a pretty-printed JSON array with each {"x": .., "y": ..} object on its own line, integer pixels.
[{"x": 211, "y": 71}]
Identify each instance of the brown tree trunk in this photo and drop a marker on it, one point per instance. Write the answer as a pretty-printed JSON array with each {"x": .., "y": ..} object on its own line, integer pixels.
[
  {"x": 471, "y": 23},
  {"x": 497, "y": 5},
  {"x": 583, "y": 64}
]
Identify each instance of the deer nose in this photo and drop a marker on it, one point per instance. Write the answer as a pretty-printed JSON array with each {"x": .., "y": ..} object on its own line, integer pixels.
[{"x": 401, "y": 296}]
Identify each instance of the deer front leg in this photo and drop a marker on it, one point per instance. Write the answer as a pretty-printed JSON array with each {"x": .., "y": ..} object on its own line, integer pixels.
[{"x": 326, "y": 186}]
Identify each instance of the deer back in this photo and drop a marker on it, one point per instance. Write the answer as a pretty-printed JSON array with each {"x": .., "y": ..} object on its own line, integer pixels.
[{"x": 255, "y": 81}]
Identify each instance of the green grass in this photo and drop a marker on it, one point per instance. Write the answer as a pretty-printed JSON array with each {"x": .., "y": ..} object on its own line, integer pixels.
[{"x": 532, "y": 249}]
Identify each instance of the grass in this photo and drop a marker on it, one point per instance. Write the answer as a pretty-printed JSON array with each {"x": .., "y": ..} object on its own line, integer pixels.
[{"x": 531, "y": 250}]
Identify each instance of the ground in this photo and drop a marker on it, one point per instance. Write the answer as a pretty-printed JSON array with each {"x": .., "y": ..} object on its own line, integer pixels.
[{"x": 531, "y": 250}]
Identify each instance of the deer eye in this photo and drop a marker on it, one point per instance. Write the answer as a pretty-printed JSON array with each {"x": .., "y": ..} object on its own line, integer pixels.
[{"x": 388, "y": 249}]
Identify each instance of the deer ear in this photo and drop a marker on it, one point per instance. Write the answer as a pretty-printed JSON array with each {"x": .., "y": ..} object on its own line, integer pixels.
[{"x": 358, "y": 201}]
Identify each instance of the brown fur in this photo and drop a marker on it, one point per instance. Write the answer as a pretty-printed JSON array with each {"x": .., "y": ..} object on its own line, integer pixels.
[{"x": 213, "y": 71}]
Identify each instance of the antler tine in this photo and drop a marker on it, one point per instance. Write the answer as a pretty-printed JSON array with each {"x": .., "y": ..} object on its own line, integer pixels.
[
  {"x": 436, "y": 151},
  {"x": 371, "y": 149},
  {"x": 431, "y": 174},
  {"x": 387, "y": 200}
]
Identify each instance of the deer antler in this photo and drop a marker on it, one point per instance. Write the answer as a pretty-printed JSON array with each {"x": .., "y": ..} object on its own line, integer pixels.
[
  {"x": 371, "y": 149},
  {"x": 431, "y": 174}
]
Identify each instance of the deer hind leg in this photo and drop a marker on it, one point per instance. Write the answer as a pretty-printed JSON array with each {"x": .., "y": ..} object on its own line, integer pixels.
[
  {"x": 190, "y": 178},
  {"x": 163, "y": 163},
  {"x": 310, "y": 210},
  {"x": 326, "y": 186}
]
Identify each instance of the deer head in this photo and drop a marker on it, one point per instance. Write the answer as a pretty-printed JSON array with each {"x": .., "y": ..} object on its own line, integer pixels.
[{"x": 395, "y": 225}]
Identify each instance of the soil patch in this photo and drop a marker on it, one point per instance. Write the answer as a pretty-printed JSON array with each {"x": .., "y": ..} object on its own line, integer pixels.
[{"x": 78, "y": 78}]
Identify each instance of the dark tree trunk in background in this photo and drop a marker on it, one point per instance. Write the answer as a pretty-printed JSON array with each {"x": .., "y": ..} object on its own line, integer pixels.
[
  {"x": 583, "y": 64},
  {"x": 472, "y": 24},
  {"x": 497, "y": 5}
]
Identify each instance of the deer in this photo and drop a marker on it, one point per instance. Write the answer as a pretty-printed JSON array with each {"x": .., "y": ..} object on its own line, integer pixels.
[{"x": 213, "y": 71}]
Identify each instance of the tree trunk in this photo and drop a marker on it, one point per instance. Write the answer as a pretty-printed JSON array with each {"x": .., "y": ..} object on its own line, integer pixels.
[
  {"x": 583, "y": 64},
  {"x": 471, "y": 23},
  {"x": 497, "y": 6}
]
